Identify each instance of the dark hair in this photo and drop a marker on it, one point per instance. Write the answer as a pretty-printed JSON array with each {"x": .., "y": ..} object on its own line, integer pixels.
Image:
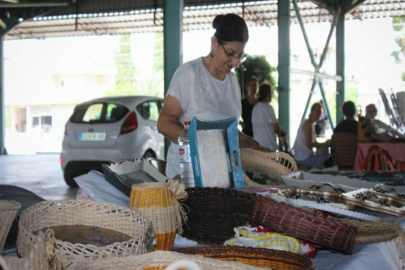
[
  {"x": 315, "y": 105},
  {"x": 371, "y": 106},
  {"x": 230, "y": 27},
  {"x": 253, "y": 78},
  {"x": 264, "y": 90},
  {"x": 349, "y": 109}
]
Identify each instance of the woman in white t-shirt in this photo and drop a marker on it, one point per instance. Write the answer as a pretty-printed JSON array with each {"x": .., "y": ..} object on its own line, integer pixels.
[
  {"x": 206, "y": 88},
  {"x": 264, "y": 121},
  {"x": 306, "y": 140}
]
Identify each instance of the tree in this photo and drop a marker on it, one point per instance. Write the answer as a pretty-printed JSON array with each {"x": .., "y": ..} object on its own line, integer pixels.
[
  {"x": 256, "y": 66},
  {"x": 398, "y": 26},
  {"x": 125, "y": 83}
]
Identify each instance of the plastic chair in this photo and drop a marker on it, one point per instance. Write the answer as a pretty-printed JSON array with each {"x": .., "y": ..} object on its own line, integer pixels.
[{"x": 344, "y": 148}]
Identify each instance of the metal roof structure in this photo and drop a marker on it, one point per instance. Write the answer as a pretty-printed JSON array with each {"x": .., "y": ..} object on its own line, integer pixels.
[{"x": 106, "y": 17}]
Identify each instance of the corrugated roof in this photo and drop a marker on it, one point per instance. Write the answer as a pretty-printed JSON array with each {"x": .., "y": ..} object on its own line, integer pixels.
[{"x": 194, "y": 17}]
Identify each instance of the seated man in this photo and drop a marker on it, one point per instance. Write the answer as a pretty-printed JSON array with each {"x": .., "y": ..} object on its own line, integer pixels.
[{"x": 349, "y": 124}]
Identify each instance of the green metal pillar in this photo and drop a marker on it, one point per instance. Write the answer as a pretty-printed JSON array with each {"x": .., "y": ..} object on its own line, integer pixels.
[
  {"x": 173, "y": 42},
  {"x": 10, "y": 23},
  {"x": 284, "y": 64},
  {"x": 340, "y": 65}
]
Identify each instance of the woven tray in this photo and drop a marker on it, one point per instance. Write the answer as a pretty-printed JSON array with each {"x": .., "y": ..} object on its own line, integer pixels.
[
  {"x": 161, "y": 260},
  {"x": 273, "y": 164},
  {"x": 259, "y": 257},
  {"x": 214, "y": 212},
  {"x": 8, "y": 212},
  {"x": 372, "y": 232},
  {"x": 89, "y": 213},
  {"x": 292, "y": 221}
]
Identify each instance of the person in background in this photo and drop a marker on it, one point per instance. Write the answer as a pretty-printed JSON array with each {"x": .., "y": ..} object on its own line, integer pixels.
[
  {"x": 371, "y": 111},
  {"x": 322, "y": 124},
  {"x": 306, "y": 140},
  {"x": 206, "y": 88},
  {"x": 265, "y": 125},
  {"x": 247, "y": 106},
  {"x": 349, "y": 124}
]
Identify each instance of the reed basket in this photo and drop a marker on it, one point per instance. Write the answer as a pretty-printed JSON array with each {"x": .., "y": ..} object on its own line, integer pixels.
[
  {"x": 8, "y": 212},
  {"x": 109, "y": 216},
  {"x": 214, "y": 212},
  {"x": 295, "y": 222}
]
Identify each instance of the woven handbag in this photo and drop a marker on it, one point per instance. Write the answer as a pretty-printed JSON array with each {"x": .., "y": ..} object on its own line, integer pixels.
[
  {"x": 293, "y": 221},
  {"x": 259, "y": 257},
  {"x": 214, "y": 212},
  {"x": 8, "y": 212},
  {"x": 159, "y": 203},
  {"x": 372, "y": 232},
  {"x": 159, "y": 260},
  {"x": 90, "y": 214}
]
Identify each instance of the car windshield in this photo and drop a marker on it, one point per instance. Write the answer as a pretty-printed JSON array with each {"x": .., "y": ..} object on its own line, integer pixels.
[{"x": 100, "y": 112}]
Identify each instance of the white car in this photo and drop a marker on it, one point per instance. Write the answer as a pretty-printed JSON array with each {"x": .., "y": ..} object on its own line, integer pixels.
[{"x": 110, "y": 129}]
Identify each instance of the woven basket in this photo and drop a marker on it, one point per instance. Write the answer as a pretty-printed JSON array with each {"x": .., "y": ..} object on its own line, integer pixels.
[
  {"x": 273, "y": 164},
  {"x": 295, "y": 222},
  {"x": 88, "y": 213},
  {"x": 159, "y": 260},
  {"x": 158, "y": 202},
  {"x": 214, "y": 212},
  {"x": 259, "y": 257},
  {"x": 8, "y": 212},
  {"x": 372, "y": 232}
]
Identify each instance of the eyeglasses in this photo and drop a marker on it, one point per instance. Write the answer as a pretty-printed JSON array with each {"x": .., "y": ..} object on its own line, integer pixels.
[{"x": 234, "y": 56}]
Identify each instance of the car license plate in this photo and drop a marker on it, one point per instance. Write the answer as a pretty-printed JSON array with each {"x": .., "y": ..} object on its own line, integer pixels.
[{"x": 92, "y": 136}]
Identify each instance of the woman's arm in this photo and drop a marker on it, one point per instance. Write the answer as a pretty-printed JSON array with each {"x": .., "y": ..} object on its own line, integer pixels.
[
  {"x": 246, "y": 141},
  {"x": 169, "y": 119},
  {"x": 308, "y": 137}
]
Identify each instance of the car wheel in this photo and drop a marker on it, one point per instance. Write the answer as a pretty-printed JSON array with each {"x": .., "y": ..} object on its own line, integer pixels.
[
  {"x": 69, "y": 179},
  {"x": 149, "y": 154}
]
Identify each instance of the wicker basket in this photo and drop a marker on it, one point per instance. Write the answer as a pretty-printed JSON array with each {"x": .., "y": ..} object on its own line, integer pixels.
[
  {"x": 158, "y": 202},
  {"x": 88, "y": 213},
  {"x": 8, "y": 212},
  {"x": 372, "y": 232},
  {"x": 159, "y": 260},
  {"x": 292, "y": 221},
  {"x": 259, "y": 257},
  {"x": 214, "y": 212}
]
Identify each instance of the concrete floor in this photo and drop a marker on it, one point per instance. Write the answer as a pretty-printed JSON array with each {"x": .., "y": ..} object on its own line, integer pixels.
[{"x": 40, "y": 174}]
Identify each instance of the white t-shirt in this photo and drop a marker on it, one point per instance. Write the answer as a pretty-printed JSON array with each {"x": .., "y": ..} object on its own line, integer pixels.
[
  {"x": 301, "y": 150},
  {"x": 202, "y": 96},
  {"x": 262, "y": 118}
]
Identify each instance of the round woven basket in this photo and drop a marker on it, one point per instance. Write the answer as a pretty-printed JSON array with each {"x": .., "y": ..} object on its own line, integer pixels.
[
  {"x": 8, "y": 212},
  {"x": 259, "y": 257},
  {"x": 159, "y": 260},
  {"x": 88, "y": 213},
  {"x": 158, "y": 203},
  {"x": 273, "y": 164}
]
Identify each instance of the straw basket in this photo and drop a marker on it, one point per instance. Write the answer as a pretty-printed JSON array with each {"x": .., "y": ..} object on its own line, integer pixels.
[
  {"x": 372, "y": 232},
  {"x": 8, "y": 212},
  {"x": 259, "y": 257},
  {"x": 87, "y": 213},
  {"x": 273, "y": 164},
  {"x": 295, "y": 222},
  {"x": 158, "y": 202},
  {"x": 214, "y": 212},
  {"x": 159, "y": 260}
]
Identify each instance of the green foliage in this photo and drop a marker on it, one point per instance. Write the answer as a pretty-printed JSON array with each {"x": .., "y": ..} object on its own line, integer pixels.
[
  {"x": 398, "y": 26},
  {"x": 125, "y": 83},
  {"x": 403, "y": 76},
  {"x": 257, "y": 66},
  {"x": 351, "y": 94}
]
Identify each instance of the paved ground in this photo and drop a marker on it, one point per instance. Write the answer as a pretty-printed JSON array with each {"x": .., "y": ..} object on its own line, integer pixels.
[{"x": 39, "y": 173}]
